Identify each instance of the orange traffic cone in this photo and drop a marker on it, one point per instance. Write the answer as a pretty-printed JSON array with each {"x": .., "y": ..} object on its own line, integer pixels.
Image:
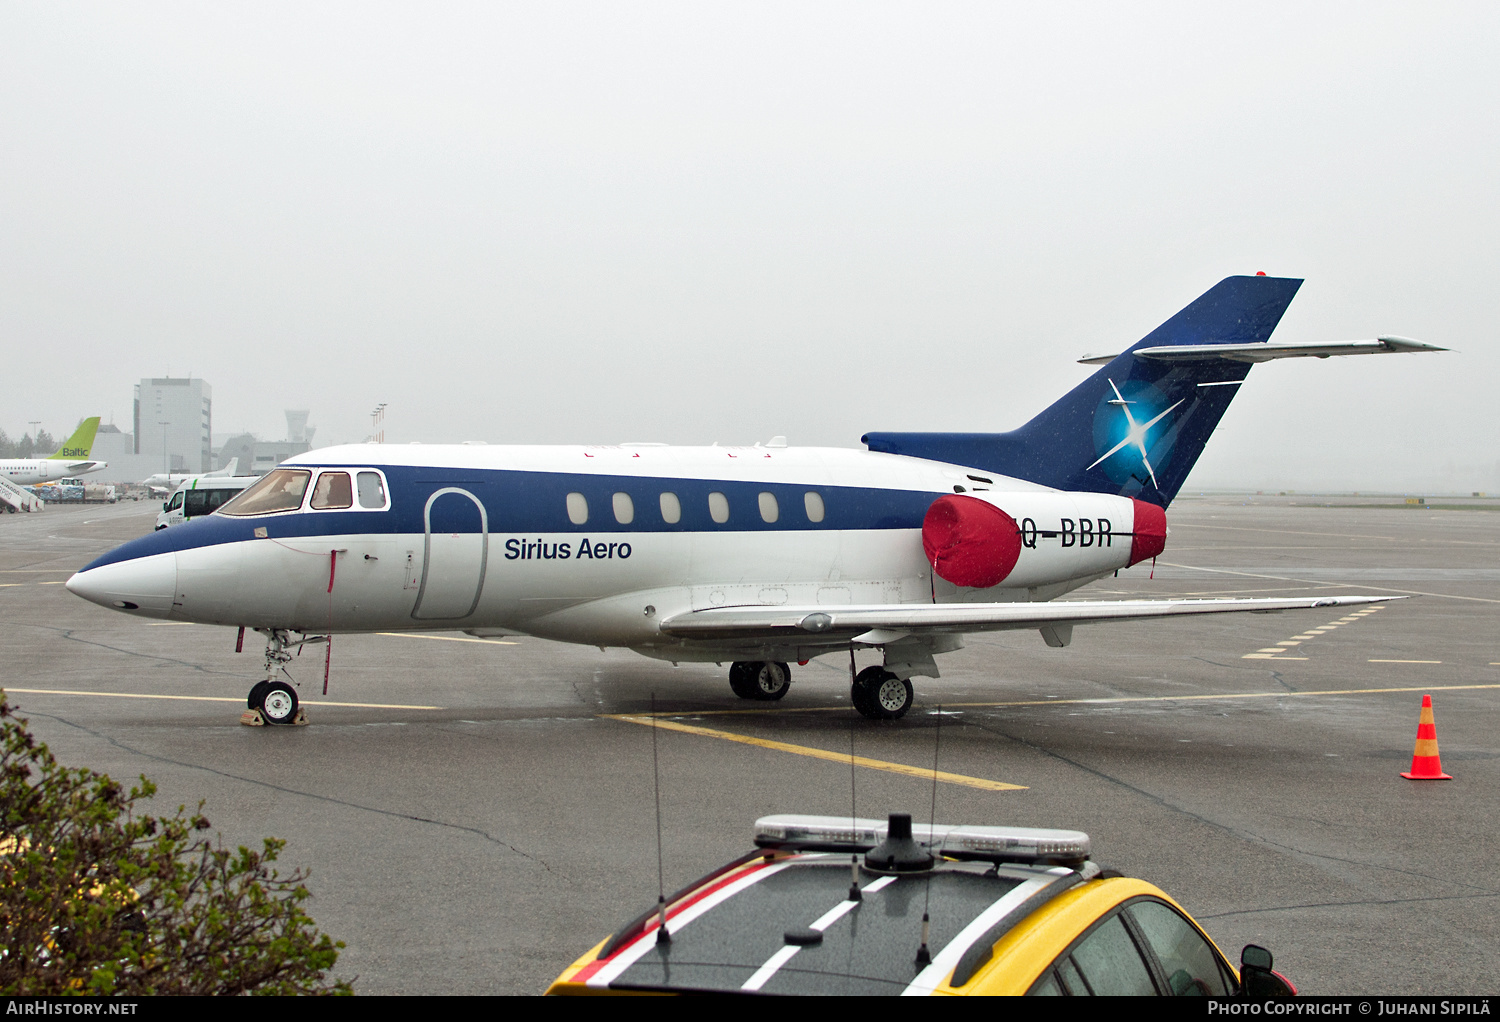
[{"x": 1425, "y": 764}]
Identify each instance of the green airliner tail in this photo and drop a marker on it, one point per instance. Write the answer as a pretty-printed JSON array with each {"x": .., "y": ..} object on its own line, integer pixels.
[{"x": 78, "y": 446}]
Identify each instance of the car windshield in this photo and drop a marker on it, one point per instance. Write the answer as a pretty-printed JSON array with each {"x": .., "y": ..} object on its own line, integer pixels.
[{"x": 281, "y": 490}]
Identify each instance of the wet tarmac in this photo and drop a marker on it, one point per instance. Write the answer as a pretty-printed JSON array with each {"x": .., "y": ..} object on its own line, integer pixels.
[{"x": 475, "y": 814}]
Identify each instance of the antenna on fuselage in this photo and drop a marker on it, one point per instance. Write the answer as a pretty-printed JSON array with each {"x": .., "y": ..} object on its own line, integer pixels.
[{"x": 662, "y": 935}]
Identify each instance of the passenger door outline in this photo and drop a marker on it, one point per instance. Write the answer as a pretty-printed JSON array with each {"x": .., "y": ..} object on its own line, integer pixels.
[{"x": 484, "y": 552}]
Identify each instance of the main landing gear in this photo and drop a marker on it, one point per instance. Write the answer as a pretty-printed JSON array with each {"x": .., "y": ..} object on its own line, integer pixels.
[
  {"x": 880, "y": 695},
  {"x": 760, "y": 679},
  {"x": 275, "y": 699}
]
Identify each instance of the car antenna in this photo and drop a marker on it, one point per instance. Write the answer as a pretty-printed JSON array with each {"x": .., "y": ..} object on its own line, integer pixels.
[
  {"x": 854, "y": 894},
  {"x": 333, "y": 564},
  {"x": 924, "y": 957},
  {"x": 662, "y": 935}
]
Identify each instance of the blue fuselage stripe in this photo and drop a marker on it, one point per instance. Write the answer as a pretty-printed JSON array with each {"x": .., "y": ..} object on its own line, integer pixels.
[{"x": 519, "y": 502}]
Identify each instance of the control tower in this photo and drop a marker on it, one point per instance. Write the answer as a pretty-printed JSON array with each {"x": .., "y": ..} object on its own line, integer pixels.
[{"x": 297, "y": 431}]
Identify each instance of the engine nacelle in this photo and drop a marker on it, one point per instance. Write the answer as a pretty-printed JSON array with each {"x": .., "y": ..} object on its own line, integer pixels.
[{"x": 1013, "y": 540}]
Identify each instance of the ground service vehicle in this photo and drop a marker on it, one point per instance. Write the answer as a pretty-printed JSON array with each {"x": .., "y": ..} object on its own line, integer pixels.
[
  {"x": 834, "y": 905},
  {"x": 202, "y": 495}
]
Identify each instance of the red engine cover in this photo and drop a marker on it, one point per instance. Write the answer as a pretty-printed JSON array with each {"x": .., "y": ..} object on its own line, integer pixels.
[
  {"x": 1150, "y": 532},
  {"x": 970, "y": 542}
]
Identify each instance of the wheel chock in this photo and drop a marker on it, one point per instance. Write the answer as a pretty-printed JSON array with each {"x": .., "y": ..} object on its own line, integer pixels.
[{"x": 253, "y": 718}]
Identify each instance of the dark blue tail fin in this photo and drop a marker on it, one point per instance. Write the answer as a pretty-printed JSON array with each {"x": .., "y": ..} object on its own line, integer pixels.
[{"x": 1137, "y": 425}]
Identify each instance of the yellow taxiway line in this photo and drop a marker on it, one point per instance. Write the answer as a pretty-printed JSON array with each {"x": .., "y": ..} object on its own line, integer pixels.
[
  {"x": 805, "y": 750},
  {"x": 201, "y": 699}
]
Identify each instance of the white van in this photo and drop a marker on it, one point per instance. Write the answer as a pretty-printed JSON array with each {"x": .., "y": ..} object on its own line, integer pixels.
[{"x": 201, "y": 496}]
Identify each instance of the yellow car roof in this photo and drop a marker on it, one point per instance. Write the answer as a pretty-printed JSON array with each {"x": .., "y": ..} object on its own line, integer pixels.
[{"x": 784, "y": 924}]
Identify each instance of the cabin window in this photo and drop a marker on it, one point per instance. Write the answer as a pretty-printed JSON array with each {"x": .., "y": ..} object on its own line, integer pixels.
[
  {"x": 280, "y": 490},
  {"x": 624, "y": 508},
  {"x": 718, "y": 507},
  {"x": 671, "y": 508},
  {"x": 334, "y": 490},
  {"x": 769, "y": 511},
  {"x": 371, "y": 491},
  {"x": 813, "y": 502},
  {"x": 578, "y": 508}
]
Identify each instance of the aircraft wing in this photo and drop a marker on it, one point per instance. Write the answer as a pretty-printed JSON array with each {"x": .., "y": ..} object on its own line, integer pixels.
[{"x": 878, "y": 624}]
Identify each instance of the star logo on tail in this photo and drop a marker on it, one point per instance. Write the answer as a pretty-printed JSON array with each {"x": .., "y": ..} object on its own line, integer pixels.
[{"x": 1135, "y": 436}]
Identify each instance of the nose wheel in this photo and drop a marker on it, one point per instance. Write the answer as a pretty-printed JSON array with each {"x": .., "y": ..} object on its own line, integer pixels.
[
  {"x": 880, "y": 695},
  {"x": 274, "y": 701},
  {"x": 760, "y": 679},
  {"x": 278, "y": 703}
]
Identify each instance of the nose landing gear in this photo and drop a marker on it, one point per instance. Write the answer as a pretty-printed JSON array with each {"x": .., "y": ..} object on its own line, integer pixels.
[{"x": 274, "y": 701}]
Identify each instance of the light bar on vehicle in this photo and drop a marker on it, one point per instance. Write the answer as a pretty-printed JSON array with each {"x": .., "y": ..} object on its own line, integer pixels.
[{"x": 990, "y": 844}]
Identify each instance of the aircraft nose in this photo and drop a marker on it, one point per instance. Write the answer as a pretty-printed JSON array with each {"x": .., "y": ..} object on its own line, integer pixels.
[{"x": 140, "y": 585}]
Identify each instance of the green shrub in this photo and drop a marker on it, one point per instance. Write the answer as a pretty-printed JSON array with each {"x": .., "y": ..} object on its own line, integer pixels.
[{"x": 95, "y": 899}]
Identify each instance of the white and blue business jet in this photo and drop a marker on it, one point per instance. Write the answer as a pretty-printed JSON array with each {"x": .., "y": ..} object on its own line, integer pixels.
[{"x": 758, "y": 555}]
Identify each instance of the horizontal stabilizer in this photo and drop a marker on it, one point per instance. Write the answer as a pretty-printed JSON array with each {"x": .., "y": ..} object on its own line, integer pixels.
[
  {"x": 1267, "y": 352},
  {"x": 821, "y": 624}
]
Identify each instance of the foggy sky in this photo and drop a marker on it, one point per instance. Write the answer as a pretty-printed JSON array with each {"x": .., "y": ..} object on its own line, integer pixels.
[{"x": 561, "y": 223}]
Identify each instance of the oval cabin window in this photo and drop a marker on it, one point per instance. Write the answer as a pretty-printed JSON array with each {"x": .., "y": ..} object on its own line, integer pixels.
[
  {"x": 624, "y": 508},
  {"x": 718, "y": 507},
  {"x": 814, "y": 503},
  {"x": 671, "y": 508},
  {"x": 578, "y": 508},
  {"x": 769, "y": 511}
]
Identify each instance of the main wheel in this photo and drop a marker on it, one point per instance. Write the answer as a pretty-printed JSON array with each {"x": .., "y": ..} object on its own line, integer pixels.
[
  {"x": 257, "y": 693},
  {"x": 894, "y": 697},
  {"x": 740, "y": 679},
  {"x": 862, "y": 688},
  {"x": 880, "y": 695},
  {"x": 278, "y": 703},
  {"x": 770, "y": 679}
]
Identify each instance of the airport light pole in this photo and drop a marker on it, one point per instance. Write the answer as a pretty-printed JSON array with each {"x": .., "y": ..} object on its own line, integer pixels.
[
  {"x": 164, "y": 469},
  {"x": 36, "y": 432}
]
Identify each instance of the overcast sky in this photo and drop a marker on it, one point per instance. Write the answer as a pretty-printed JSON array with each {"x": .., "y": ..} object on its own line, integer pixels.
[{"x": 709, "y": 222}]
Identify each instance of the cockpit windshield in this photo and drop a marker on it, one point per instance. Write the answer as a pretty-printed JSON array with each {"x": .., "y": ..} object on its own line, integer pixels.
[{"x": 280, "y": 490}]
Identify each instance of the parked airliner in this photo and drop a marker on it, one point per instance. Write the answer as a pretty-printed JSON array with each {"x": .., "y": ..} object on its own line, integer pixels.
[
  {"x": 163, "y": 483},
  {"x": 757, "y": 555},
  {"x": 71, "y": 459}
]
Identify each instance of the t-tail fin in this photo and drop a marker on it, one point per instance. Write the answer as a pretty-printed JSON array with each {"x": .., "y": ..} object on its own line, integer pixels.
[
  {"x": 78, "y": 446},
  {"x": 1137, "y": 425}
]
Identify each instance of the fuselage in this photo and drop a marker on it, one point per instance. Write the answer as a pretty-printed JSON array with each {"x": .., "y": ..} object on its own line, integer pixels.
[
  {"x": 30, "y": 471},
  {"x": 592, "y": 544}
]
